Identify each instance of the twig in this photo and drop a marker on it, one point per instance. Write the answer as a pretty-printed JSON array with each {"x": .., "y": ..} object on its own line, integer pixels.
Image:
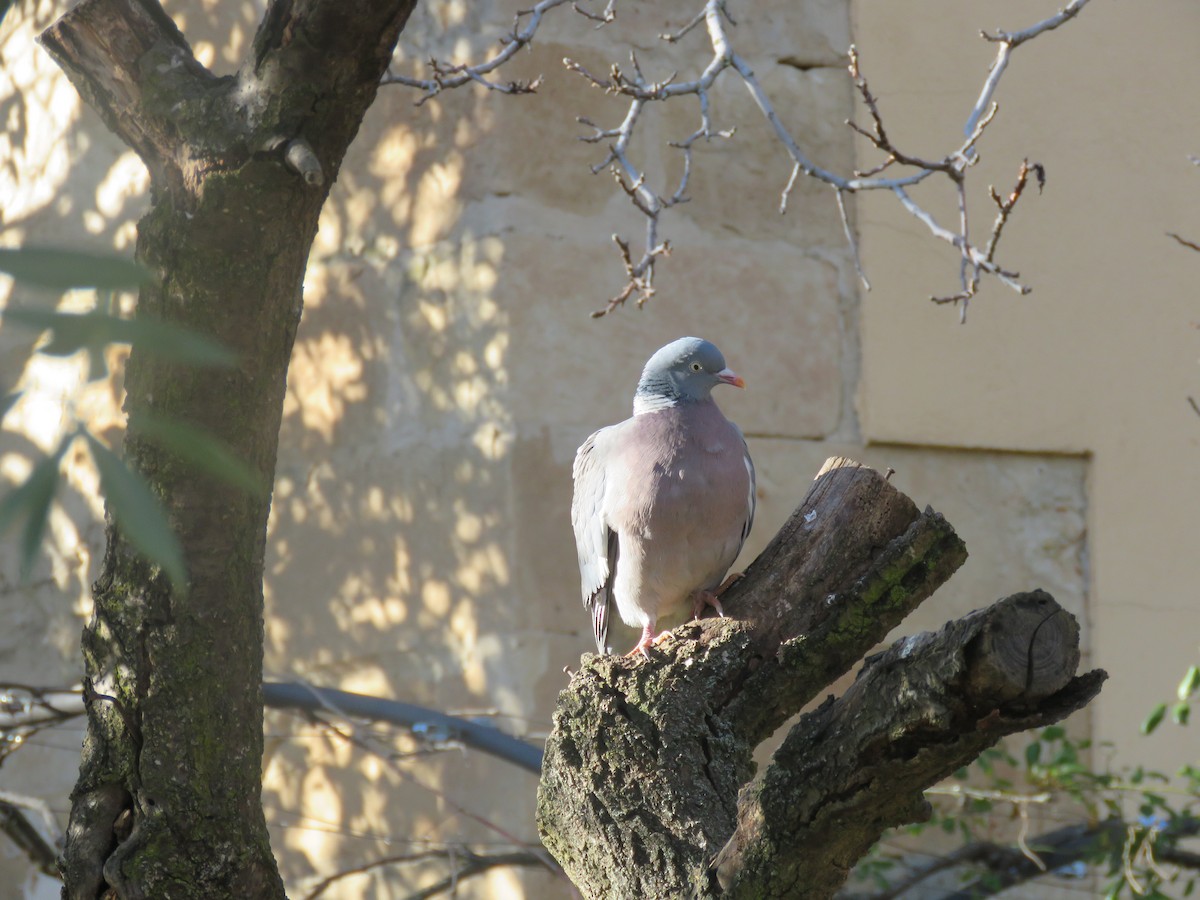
[
  {"x": 464, "y": 862},
  {"x": 974, "y": 261},
  {"x": 453, "y": 76},
  {"x": 358, "y": 737},
  {"x": 1008, "y": 42},
  {"x": 851, "y": 239},
  {"x": 15, "y": 824},
  {"x": 1189, "y": 244},
  {"x": 631, "y": 82}
]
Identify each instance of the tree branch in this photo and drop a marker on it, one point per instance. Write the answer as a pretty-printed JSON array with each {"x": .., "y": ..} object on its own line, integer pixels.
[
  {"x": 450, "y": 76},
  {"x": 465, "y": 864},
  {"x": 651, "y": 202},
  {"x": 15, "y": 824},
  {"x": 917, "y": 712},
  {"x": 430, "y": 722},
  {"x": 1069, "y": 844},
  {"x": 125, "y": 58}
]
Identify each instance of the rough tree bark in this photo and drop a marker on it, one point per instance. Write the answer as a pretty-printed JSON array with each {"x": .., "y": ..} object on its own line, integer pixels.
[
  {"x": 167, "y": 803},
  {"x": 646, "y": 787}
]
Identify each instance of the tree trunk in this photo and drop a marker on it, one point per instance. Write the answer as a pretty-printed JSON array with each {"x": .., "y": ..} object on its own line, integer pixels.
[
  {"x": 646, "y": 786},
  {"x": 167, "y": 803}
]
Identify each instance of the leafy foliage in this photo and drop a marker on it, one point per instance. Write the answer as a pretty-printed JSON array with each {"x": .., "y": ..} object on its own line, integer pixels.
[
  {"x": 1125, "y": 825},
  {"x": 62, "y": 270},
  {"x": 1181, "y": 710},
  {"x": 129, "y": 498}
]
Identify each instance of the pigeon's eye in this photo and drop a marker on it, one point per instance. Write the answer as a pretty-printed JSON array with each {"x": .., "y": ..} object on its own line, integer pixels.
[{"x": 695, "y": 367}]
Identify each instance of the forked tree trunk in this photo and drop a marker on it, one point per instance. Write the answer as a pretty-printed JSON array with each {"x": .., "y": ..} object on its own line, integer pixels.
[
  {"x": 168, "y": 798},
  {"x": 646, "y": 786}
]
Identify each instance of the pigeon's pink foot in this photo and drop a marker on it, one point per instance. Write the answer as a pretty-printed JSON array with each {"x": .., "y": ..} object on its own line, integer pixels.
[
  {"x": 702, "y": 599},
  {"x": 649, "y": 638}
]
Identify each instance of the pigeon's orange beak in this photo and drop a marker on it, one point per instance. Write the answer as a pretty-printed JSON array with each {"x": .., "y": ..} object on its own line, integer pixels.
[{"x": 731, "y": 377}]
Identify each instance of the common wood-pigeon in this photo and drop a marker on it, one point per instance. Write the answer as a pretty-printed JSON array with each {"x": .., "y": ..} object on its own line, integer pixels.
[{"x": 664, "y": 500}]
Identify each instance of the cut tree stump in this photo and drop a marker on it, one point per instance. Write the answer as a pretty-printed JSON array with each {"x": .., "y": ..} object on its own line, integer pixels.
[{"x": 647, "y": 787}]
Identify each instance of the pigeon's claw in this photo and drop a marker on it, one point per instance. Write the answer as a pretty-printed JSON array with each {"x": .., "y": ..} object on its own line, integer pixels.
[
  {"x": 702, "y": 599},
  {"x": 649, "y": 638}
]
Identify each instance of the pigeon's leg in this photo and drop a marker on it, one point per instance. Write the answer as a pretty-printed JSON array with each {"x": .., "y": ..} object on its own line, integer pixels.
[
  {"x": 701, "y": 599},
  {"x": 648, "y": 638}
]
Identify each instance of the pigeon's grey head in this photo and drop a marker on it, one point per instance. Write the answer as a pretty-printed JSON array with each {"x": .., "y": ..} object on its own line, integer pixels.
[{"x": 684, "y": 371}]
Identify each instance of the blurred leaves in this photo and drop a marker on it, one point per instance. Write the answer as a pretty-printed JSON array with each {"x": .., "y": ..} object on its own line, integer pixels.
[
  {"x": 1127, "y": 824},
  {"x": 131, "y": 501},
  {"x": 1154, "y": 718},
  {"x": 1191, "y": 680},
  {"x": 133, "y": 505},
  {"x": 62, "y": 270},
  {"x": 199, "y": 448},
  {"x": 94, "y": 330},
  {"x": 138, "y": 512},
  {"x": 30, "y": 501}
]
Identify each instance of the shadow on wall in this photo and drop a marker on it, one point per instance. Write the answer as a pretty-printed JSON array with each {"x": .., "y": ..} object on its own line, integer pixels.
[
  {"x": 390, "y": 544},
  {"x": 444, "y": 371},
  {"x": 388, "y": 568}
]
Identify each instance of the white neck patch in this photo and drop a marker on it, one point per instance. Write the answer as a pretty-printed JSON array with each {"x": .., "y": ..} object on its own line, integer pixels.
[{"x": 644, "y": 403}]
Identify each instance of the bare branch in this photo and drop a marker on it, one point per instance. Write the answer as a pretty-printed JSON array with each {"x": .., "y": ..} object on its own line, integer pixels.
[
  {"x": 851, "y": 239},
  {"x": 1004, "y": 208},
  {"x": 14, "y": 823},
  {"x": 464, "y": 863},
  {"x": 975, "y": 262},
  {"x": 1062, "y": 847},
  {"x": 609, "y": 15},
  {"x": 353, "y": 733},
  {"x": 631, "y": 82},
  {"x": 1191, "y": 245},
  {"x": 305, "y": 697},
  {"x": 1009, "y": 41},
  {"x": 448, "y": 76}
]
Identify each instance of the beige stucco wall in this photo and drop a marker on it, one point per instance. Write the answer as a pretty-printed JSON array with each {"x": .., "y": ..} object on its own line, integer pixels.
[
  {"x": 446, "y": 369},
  {"x": 1099, "y": 360}
]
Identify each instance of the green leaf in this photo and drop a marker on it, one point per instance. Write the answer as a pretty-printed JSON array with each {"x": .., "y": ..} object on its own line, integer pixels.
[
  {"x": 75, "y": 331},
  {"x": 138, "y": 512},
  {"x": 62, "y": 270},
  {"x": 1053, "y": 733},
  {"x": 1033, "y": 753},
  {"x": 1066, "y": 754},
  {"x": 1156, "y": 716},
  {"x": 1180, "y": 712},
  {"x": 203, "y": 450},
  {"x": 175, "y": 343},
  {"x": 72, "y": 332},
  {"x": 31, "y": 499},
  {"x": 1191, "y": 680}
]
